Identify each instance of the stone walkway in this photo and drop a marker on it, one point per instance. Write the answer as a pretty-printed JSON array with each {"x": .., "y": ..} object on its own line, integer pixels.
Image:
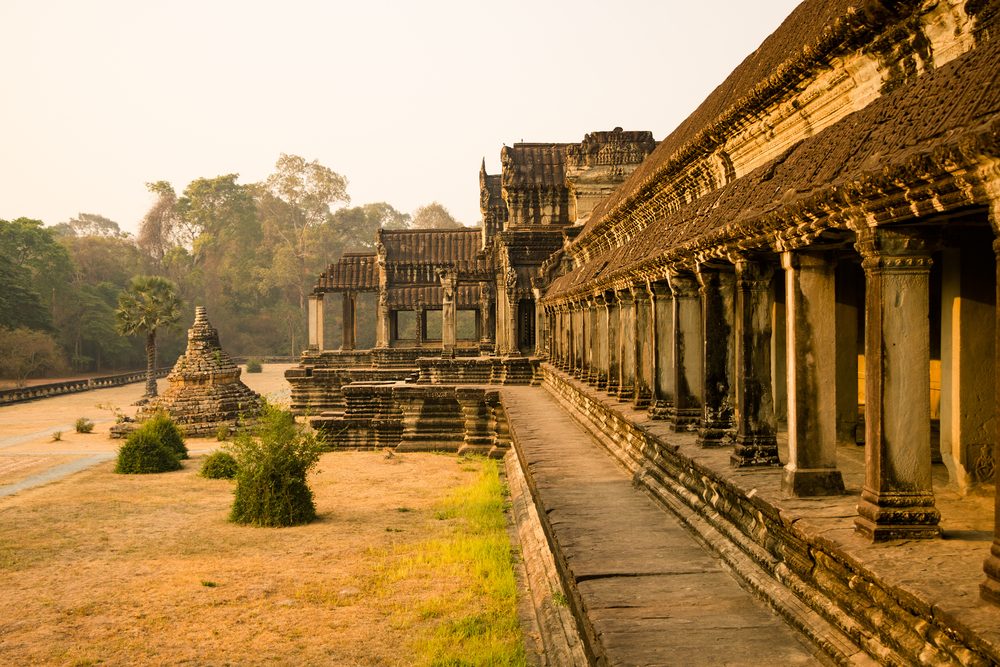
[{"x": 652, "y": 595}]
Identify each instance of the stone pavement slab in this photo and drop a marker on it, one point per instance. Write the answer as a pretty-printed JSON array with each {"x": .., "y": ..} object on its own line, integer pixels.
[{"x": 651, "y": 594}]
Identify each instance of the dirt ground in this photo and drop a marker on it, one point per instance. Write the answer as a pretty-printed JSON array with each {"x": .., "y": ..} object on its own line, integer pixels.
[
  {"x": 27, "y": 447},
  {"x": 101, "y": 568}
]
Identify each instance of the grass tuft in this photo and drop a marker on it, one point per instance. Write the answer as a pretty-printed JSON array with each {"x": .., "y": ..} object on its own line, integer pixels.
[
  {"x": 475, "y": 622},
  {"x": 83, "y": 425}
]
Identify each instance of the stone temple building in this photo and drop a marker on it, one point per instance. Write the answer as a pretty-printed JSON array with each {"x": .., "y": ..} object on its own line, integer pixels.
[{"x": 798, "y": 281}]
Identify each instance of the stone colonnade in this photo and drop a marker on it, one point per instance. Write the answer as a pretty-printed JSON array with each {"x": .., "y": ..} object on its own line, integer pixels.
[{"x": 717, "y": 347}]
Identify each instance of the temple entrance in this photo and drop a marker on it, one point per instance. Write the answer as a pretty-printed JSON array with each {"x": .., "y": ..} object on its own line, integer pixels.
[{"x": 526, "y": 326}]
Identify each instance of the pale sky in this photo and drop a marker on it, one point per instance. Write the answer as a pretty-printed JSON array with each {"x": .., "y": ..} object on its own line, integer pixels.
[{"x": 402, "y": 98}]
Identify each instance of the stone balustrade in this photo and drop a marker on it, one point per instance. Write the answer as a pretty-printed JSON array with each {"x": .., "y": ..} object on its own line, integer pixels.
[{"x": 50, "y": 389}]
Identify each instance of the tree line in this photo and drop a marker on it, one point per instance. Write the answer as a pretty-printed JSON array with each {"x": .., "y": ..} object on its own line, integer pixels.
[{"x": 249, "y": 252}]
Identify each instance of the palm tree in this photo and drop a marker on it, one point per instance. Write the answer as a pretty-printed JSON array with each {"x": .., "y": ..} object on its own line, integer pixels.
[{"x": 149, "y": 302}]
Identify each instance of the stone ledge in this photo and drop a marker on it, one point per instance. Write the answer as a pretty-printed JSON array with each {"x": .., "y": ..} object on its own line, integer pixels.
[{"x": 805, "y": 551}]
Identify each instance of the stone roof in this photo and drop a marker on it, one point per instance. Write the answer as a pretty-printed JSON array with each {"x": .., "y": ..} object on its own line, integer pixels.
[
  {"x": 432, "y": 246},
  {"x": 353, "y": 271},
  {"x": 799, "y": 45},
  {"x": 917, "y": 135},
  {"x": 541, "y": 166}
]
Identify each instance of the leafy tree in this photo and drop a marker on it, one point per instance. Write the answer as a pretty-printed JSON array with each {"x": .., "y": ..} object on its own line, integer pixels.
[
  {"x": 149, "y": 303},
  {"x": 91, "y": 224},
  {"x": 434, "y": 216},
  {"x": 24, "y": 352},
  {"x": 159, "y": 226},
  {"x": 295, "y": 200},
  {"x": 354, "y": 228},
  {"x": 35, "y": 262}
]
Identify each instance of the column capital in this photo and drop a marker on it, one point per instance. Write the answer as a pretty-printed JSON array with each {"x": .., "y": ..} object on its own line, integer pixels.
[
  {"x": 807, "y": 260},
  {"x": 639, "y": 292},
  {"x": 600, "y": 300},
  {"x": 897, "y": 248},
  {"x": 659, "y": 290},
  {"x": 625, "y": 295},
  {"x": 683, "y": 284},
  {"x": 754, "y": 273}
]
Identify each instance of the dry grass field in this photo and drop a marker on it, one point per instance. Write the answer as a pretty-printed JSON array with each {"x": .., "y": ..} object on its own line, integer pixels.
[{"x": 409, "y": 563}]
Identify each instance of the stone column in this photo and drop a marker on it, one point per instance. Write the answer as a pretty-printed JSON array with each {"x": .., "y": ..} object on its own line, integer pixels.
[
  {"x": 756, "y": 424},
  {"x": 580, "y": 339},
  {"x": 418, "y": 333},
  {"x": 593, "y": 351},
  {"x": 601, "y": 340},
  {"x": 626, "y": 343},
  {"x": 486, "y": 319},
  {"x": 688, "y": 350},
  {"x": 717, "y": 286},
  {"x": 990, "y": 589},
  {"x": 311, "y": 315},
  {"x": 811, "y": 342},
  {"x": 350, "y": 328},
  {"x": 513, "y": 349},
  {"x": 643, "y": 351},
  {"x": 320, "y": 337},
  {"x": 663, "y": 350},
  {"x": 449, "y": 289},
  {"x": 848, "y": 298},
  {"x": 614, "y": 345},
  {"x": 382, "y": 327},
  {"x": 897, "y": 499}
]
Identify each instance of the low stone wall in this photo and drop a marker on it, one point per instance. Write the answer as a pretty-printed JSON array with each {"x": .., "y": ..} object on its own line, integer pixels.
[
  {"x": 409, "y": 418},
  {"x": 818, "y": 586},
  {"x": 318, "y": 390},
  {"x": 50, "y": 389},
  {"x": 480, "y": 370}
]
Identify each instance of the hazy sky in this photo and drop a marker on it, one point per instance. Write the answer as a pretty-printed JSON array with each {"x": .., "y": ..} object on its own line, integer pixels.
[{"x": 402, "y": 98}]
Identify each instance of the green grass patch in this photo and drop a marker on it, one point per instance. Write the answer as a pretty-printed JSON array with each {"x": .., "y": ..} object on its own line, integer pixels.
[{"x": 474, "y": 621}]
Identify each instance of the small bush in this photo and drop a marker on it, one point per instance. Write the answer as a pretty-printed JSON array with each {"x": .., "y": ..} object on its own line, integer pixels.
[
  {"x": 163, "y": 428},
  {"x": 273, "y": 460},
  {"x": 84, "y": 425},
  {"x": 254, "y": 366},
  {"x": 56, "y": 436},
  {"x": 143, "y": 453},
  {"x": 222, "y": 433},
  {"x": 219, "y": 465}
]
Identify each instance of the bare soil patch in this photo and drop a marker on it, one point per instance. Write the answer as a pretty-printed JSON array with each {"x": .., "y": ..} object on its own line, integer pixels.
[{"x": 145, "y": 569}]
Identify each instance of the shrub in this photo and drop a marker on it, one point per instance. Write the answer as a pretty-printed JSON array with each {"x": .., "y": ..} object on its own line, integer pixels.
[
  {"x": 254, "y": 366},
  {"x": 222, "y": 433},
  {"x": 84, "y": 425},
  {"x": 273, "y": 460},
  {"x": 143, "y": 453},
  {"x": 163, "y": 428},
  {"x": 56, "y": 436},
  {"x": 219, "y": 465}
]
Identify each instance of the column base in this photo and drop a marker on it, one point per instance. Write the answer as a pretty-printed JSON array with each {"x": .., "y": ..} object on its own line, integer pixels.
[
  {"x": 897, "y": 516},
  {"x": 714, "y": 435},
  {"x": 755, "y": 450},
  {"x": 989, "y": 590},
  {"x": 624, "y": 392},
  {"x": 612, "y": 387},
  {"x": 660, "y": 409},
  {"x": 685, "y": 419},
  {"x": 602, "y": 381},
  {"x": 643, "y": 398},
  {"x": 805, "y": 482}
]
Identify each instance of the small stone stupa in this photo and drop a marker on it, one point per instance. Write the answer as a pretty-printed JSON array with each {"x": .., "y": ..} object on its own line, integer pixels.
[{"x": 204, "y": 388}]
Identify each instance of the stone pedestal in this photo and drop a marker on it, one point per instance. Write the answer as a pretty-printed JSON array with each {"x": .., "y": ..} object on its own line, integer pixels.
[
  {"x": 756, "y": 424},
  {"x": 688, "y": 350},
  {"x": 716, "y": 290},
  {"x": 897, "y": 500},
  {"x": 479, "y": 435},
  {"x": 812, "y": 397}
]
